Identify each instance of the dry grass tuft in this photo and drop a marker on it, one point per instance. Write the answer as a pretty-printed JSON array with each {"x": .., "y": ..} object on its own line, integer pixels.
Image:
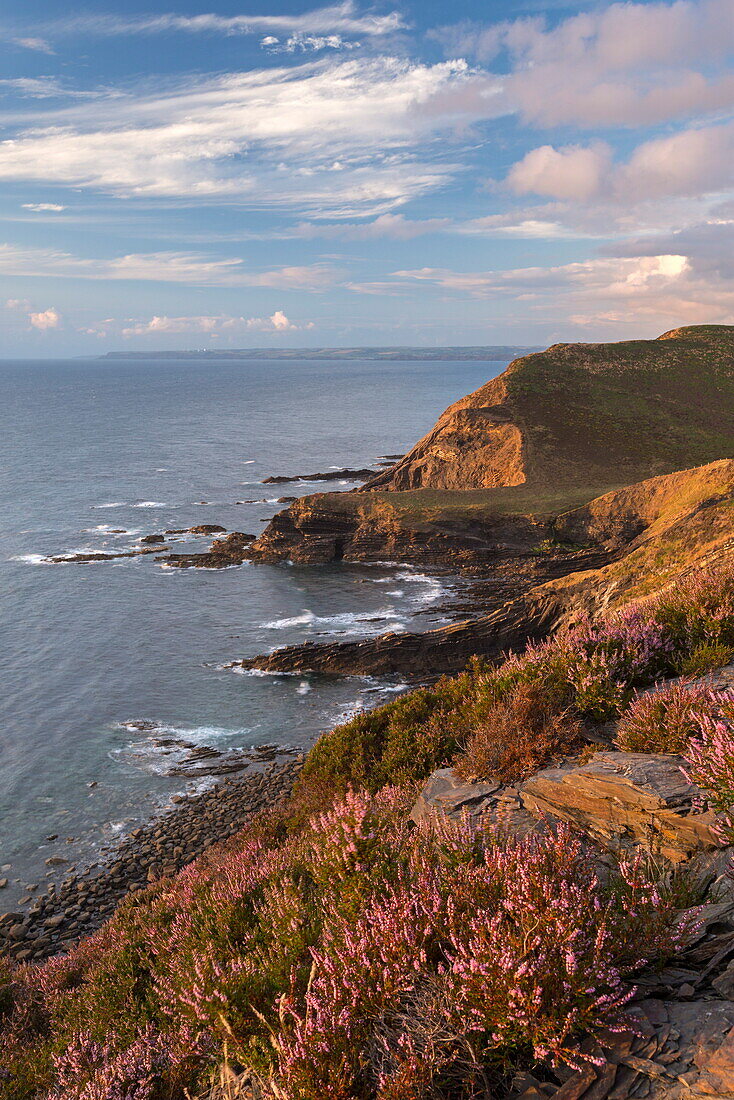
[{"x": 520, "y": 734}]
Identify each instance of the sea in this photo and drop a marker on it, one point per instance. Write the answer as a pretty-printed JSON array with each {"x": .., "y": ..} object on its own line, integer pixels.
[{"x": 114, "y": 692}]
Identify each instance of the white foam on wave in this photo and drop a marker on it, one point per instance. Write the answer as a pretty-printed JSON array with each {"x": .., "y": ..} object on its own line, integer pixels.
[
  {"x": 31, "y": 559},
  {"x": 348, "y": 711},
  {"x": 151, "y": 504},
  {"x": 108, "y": 529},
  {"x": 303, "y": 688},
  {"x": 257, "y": 673},
  {"x": 432, "y": 587},
  {"x": 196, "y": 734},
  {"x": 112, "y": 504},
  {"x": 347, "y": 622}
]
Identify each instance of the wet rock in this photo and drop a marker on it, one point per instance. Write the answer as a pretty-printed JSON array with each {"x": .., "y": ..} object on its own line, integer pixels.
[
  {"x": 207, "y": 529},
  {"x": 152, "y": 538},
  {"x": 231, "y": 550},
  {"x": 446, "y": 648},
  {"x": 72, "y": 559},
  {"x": 329, "y": 475}
]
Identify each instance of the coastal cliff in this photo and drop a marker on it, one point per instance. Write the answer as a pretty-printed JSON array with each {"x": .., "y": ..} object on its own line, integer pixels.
[
  {"x": 556, "y": 430},
  {"x": 319, "y": 930},
  {"x": 622, "y": 545},
  {"x": 589, "y": 415}
]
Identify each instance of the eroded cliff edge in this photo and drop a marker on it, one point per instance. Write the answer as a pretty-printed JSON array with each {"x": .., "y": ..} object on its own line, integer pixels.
[{"x": 580, "y": 475}]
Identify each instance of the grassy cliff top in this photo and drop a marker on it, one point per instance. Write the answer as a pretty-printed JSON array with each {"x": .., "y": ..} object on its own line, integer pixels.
[{"x": 585, "y": 418}]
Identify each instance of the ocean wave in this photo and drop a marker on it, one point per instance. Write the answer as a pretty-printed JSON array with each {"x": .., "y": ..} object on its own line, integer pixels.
[
  {"x": 348, "y": 621},
  {"x": 112, "y": 532},
  {"x": 203, "y": 734},
  {"x": 31, "y": 559},
  {"x": 112, "y": 504},
  {"x": 151, "y": 504},
  {"x": 257, "y": 673}
]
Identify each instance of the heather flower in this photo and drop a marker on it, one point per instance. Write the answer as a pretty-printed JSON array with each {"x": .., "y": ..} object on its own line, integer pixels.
[
  {"x": 663, "y": 720},
  {"x": 710, "y": 756}
]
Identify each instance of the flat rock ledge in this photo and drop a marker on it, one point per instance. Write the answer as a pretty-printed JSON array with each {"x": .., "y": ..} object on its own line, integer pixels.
[
  {"x": 680, "y": 1045},
  {"x": 619, "y": 799}
]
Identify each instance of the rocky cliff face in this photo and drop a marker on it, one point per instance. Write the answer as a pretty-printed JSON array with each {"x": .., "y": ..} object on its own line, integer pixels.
[
  {"x": 601, "y": 415},
  {"x": 354, "y": 527},
  {"x": 557, "y": 428},
  {"x": 620, "y": 546}
]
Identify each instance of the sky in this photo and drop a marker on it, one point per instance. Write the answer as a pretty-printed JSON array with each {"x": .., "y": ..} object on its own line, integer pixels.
[{"x": 267, "y": 173}]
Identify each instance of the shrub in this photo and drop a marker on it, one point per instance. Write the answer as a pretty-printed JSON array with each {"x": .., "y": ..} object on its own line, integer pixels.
[
  {"x": 357, "y": 959},
  {"x": 704, "y": 658},
  {"x": 698, "y": 610},
  {"x": 519, "y": 735},
  {"x": 710, "y": 756},
  {"x": 662, "y": 721},
  {"x": 590, "y": 670}
]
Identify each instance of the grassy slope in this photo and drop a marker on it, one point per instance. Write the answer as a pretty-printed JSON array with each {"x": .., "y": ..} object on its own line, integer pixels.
[
  {"x": 594, "y": 418},
  {"x": 615, "y": 413}
]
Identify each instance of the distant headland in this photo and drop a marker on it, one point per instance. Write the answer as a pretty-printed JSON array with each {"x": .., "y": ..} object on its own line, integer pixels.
[{"x": 490, "y": 353}]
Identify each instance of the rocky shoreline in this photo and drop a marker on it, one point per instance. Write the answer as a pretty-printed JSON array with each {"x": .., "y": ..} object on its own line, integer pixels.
[{"x": 81, "y": 903}]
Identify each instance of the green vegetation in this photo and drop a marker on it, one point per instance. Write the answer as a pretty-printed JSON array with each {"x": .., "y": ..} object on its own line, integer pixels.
[
  {"x": 332, "y": 952},
  {"x": 590, "y": 672}
]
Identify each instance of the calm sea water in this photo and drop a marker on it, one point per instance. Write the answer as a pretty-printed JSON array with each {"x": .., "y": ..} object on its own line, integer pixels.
[{"x": 94, "y": 455}]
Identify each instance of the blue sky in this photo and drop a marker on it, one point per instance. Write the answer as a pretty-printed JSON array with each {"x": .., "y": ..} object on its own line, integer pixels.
[{"x": 234, "y": 175}]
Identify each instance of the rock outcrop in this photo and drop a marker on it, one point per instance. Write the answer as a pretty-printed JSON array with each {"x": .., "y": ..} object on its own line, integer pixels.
[
  {"x": 230, "y": 550},
  {"x": 625, "y": 798},
  {"x": 642, "y": 537},
  {"x": 680, "y": 1042},
  {"x": 447, "y": 648}
]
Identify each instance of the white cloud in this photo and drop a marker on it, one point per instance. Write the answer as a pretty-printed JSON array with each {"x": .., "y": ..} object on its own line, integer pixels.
[
  {"x": 43, "y": 87},
  {"x": 43, "y": 207},
  {"x": 307, "y": 43},
  {"x": 191, "y": 268},
  {"x": 44, "y": 321},
  {"x": 693, "y": 162},
  {"x": 604, "y": 296},
  {"x": 344, "y": 17},
  {"x": 212, "y": 325},
  {"x": 689, "y": 163},
  {"x": 278, "y": 322},
  {"x": 629, "y": 64},
  {"x": 40, "y": 45},
  {"x": 573, "y": 172},
  {"x": 18, "y": 303},
  {"x": 310, "y": 136},
  {"x": 390, "y": 226}
]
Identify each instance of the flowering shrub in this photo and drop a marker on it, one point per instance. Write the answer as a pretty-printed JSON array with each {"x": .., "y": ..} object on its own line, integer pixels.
[
  {"x": 662, "y": 721},
  {"x": 340, "y": 956},
  {"x": 356, "y": 959},
  {"x": 710, "y": 756},
  {"x": 591, "y": 670},
  {"x": 699, "y": 610}
]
